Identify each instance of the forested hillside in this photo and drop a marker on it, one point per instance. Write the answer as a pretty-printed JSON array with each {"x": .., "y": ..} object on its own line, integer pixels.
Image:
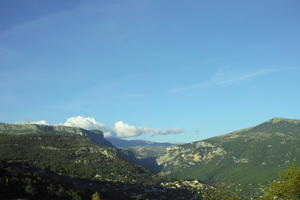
[{"x": 247, "y": 159}]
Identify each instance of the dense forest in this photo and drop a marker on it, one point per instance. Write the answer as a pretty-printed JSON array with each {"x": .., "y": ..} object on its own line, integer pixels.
[{"x": 20, "y": 181}]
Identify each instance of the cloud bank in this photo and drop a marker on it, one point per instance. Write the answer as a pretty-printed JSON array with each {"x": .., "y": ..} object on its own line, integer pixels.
[{"x": 120, "y": 128}]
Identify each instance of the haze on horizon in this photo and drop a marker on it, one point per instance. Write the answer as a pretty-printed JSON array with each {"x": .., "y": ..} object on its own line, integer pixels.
[{"x": 167, "y": 71}]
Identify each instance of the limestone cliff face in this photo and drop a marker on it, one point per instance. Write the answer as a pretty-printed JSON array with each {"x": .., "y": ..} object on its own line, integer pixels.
[
  {"x": 25, "y": 129},
  {"x": 187, "y": 155}
]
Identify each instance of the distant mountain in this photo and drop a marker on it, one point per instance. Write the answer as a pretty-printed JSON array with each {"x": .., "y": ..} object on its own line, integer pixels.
[
  {"x": 141, "y": 152},
  {"x": 247, "y": 158},
  {"x": 118, "y": 142},
  {"x": 25, "y": 129}
]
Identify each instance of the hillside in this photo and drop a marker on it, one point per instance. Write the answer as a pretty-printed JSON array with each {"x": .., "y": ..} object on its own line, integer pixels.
[
  {"x": 247, "y": 159},
  {"x": 145, "y": 156},
  {"x": 25, "y": 129},
  {"x": 141, "y": 152},
  {"x": 22, "y": 181},
  {"x": 69, "y": 155},
  {"x": 65, "y": 150},
  {"x": 72, "y": 163}
]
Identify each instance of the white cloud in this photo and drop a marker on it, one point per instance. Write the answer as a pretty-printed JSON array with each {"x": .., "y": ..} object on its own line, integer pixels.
[
  {"x": 124, "y": 130},
  {"x": 88, "y": 123},
  {"x": 120, "y": 129},
  {"x": 43, "y": 122},
  {"x": 84, "y": 122}
]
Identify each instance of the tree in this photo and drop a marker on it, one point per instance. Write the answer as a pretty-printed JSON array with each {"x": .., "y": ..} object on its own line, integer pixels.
[
  {"x": 287, "y": 187},
  {"x": 29, "y": 189},
  {"x": 220, "y": 192},
  {"x": 96, "y": 196}
]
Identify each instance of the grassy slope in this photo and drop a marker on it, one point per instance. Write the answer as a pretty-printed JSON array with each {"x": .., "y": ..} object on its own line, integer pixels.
[{"x": 268, "y": 148}]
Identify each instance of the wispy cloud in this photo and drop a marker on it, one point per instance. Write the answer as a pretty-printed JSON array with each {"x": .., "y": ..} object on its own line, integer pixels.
[{"x": 224, "y": 78}]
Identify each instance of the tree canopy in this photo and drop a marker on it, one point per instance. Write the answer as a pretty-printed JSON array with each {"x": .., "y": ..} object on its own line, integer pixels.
[{"x": 287, "y": 187}]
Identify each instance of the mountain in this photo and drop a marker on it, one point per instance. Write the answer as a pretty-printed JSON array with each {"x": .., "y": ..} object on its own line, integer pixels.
[
  {"x": 247, "y": 159},
  {"x": 134, "y": 143},
  {"x": 65, "y": 150},
  {"x": 22, "y": 181},
  {"x": 59, "y": 162},
  {"x": 25, "y": 129},
  {"x": 141, "y": 152}
]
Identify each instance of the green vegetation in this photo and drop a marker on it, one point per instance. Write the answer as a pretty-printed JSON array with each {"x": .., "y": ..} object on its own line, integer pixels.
[
  {"x": 146, "y": 156},
  {"x": 25, "y": 129},
  {"x": 16, "y": 184},
  {"x": 21, "y": 181},
  {"x": 69, "y": 164},
  {"x": 247, "y": 159},
  {"x": 220, "y": 193},
  {"x": 96, "y": 196},
  {"x": 72, "y": 163},
  {"x": 287, "y": 187},
  {"x": 70, "y": 155}
]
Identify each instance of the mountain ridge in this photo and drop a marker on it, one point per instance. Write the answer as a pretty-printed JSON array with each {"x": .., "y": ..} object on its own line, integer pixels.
[
  {"x": 59, "y": 155},
  {"x": 118, "y": 142},
  {"x": 273, "y": 122},
  {"x": 249, "y": 157},
  {"x": 23, "y": 129}
]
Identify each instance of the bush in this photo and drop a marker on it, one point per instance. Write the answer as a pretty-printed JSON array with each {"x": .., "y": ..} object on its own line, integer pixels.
[{"x": 219, "y": 193}]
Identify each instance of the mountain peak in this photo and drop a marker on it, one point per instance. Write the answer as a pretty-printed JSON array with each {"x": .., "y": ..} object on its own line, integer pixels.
[
  {"x": 281, "y": 119},
  {"x": 277, "y": 119}
]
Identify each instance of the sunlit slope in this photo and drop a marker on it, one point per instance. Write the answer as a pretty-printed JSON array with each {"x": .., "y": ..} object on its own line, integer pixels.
[
  {"x": 66, "y": 150},
  {"x": 249, "y": 157}
]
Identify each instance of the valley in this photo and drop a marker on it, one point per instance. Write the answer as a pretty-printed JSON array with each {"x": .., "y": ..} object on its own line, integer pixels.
[{"x": 245, "y": 161}]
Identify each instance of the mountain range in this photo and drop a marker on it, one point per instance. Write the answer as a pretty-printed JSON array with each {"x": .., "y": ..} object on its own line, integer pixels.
[
  {"x": 75, "y": 163},
  {"x": 118, "y": 142},
  {"x": 245, "y": 160}
]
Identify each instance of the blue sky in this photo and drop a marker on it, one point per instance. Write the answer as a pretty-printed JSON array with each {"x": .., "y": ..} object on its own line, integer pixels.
[{"x": 204, "y": 67}]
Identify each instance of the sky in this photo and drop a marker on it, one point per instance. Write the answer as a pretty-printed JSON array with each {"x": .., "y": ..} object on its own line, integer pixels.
[{"x": 166, "y": 71}]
